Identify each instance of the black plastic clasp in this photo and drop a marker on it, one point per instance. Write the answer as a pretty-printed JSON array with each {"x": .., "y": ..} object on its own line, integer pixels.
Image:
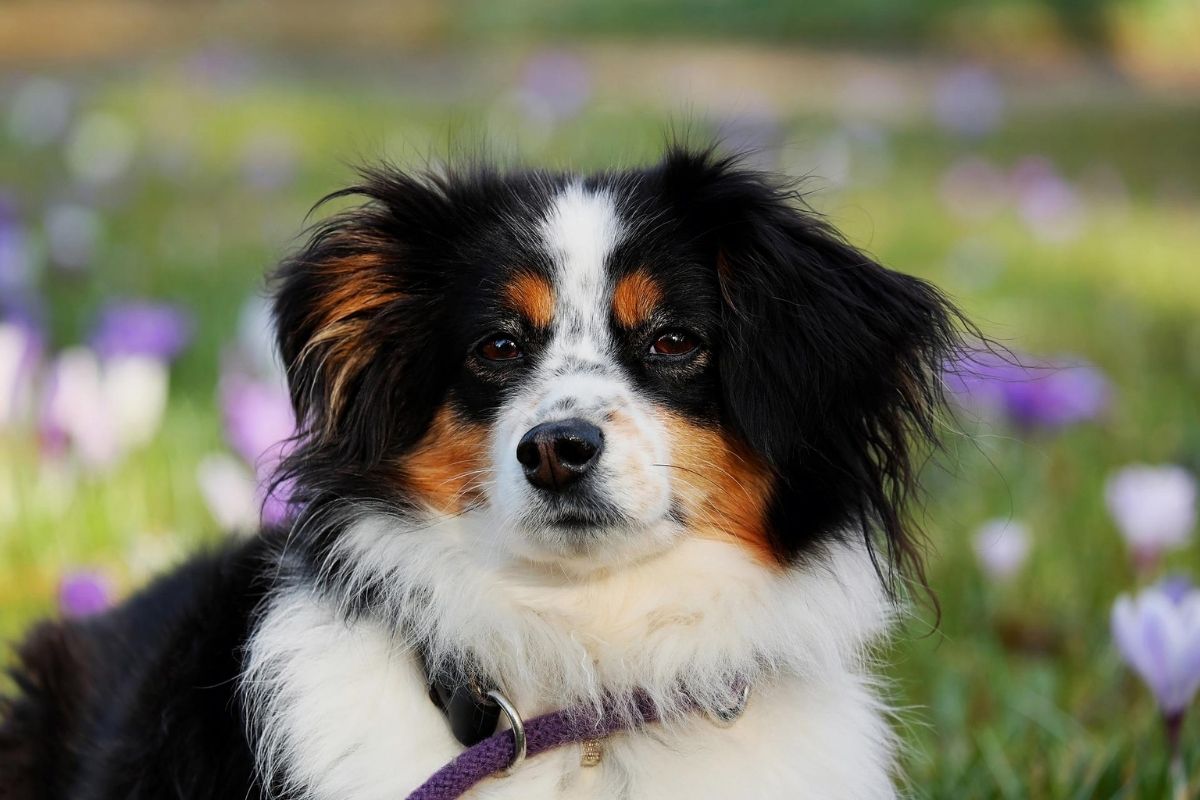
[{"x": 472, "y": 715}]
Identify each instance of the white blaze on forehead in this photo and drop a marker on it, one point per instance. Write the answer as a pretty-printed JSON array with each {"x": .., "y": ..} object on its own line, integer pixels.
[{"x": 580, "y": 231}]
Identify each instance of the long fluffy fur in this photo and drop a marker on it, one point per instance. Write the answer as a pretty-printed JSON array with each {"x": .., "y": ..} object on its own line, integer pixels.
[
  {"x": 743, "y": 521},
  {"x": 702, "y": 619}
]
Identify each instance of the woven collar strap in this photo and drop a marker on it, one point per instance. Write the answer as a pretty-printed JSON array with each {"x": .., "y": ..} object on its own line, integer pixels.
[{"x": 498, "y": 751}]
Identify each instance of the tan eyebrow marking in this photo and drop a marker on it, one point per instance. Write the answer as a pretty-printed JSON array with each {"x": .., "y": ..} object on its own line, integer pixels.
[
  {"x": 635, "y": 298},
  {"x": 532, "y": 296}
]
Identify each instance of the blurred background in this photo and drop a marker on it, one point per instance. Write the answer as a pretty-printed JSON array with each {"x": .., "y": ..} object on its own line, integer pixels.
[{"x": 1038, "y": 159}]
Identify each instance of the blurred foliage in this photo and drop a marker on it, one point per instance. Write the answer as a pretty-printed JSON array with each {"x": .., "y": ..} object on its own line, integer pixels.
[{"x": 894, "y": 22}]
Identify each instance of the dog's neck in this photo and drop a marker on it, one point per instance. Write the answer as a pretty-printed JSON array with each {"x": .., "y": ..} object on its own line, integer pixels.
[
  {"x": 700, "y": 617},
  {"x": 339, "y": 704}
]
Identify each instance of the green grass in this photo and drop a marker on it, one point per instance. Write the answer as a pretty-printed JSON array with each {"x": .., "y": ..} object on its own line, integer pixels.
[{"x": 987, "y": 714}]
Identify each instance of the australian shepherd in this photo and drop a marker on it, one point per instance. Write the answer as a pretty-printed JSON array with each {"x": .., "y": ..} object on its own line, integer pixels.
[{"x": 642, "y": 433}]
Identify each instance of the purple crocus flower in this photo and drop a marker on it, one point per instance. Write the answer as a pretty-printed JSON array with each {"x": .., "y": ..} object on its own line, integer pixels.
[
  {"x": 258, "y": 419},
  {"x": 1030, "y": 394},
  {"x": 259, "y": 425},
  {"x": 84, "y": 593},
  {"x": 1157, "y": 633},
  {"x": 1062, "y": 396},
  {"x": 276, "y": 502},
  {"x": 152, "y": 330}
]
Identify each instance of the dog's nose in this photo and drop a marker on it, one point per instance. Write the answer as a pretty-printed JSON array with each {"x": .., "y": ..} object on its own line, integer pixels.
[{"x": 557, "y": 454}]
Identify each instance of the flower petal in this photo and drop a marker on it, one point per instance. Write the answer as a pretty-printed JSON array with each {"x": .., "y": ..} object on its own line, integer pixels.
[
  {"x": 135, "y": 390},
  {"x": 229, "y": 491}
]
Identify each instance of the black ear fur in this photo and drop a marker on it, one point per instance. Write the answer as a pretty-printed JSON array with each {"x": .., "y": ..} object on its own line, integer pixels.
[
  {"x": 831, "y": 364},
  {"x": 357, "y": 311}
]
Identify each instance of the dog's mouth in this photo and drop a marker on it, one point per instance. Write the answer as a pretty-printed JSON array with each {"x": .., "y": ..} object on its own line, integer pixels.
[
  {"x": 581, "y": 515},
  {"x": 585, "y": 522},
  {"x": 579, "y": 522}
]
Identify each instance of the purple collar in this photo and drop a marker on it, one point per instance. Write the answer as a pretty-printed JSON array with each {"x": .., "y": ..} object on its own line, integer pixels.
[
  {"x": 500, "y": 751},
  {"x": 506, "y": 749}
]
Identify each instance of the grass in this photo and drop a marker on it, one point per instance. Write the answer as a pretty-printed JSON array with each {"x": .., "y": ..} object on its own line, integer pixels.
[{"x": 1018, "y": 693}]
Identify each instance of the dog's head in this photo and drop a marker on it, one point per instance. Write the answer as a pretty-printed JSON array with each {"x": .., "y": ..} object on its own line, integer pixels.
[{"x": 598, "y": 366}]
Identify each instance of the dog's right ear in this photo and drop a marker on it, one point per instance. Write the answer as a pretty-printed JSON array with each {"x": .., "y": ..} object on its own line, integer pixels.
[{"x": 355, "y": 310}]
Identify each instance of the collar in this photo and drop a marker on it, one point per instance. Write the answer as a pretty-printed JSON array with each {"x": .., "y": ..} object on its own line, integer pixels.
[
  {"x": 473, "y": 717},
  {"x": 470, "y": 713}
]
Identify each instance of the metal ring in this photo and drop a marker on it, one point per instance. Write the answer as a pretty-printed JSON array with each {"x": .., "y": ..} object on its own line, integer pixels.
[
  {"x": 725, "y": 717},
  {"x": 518, "y": 728}
]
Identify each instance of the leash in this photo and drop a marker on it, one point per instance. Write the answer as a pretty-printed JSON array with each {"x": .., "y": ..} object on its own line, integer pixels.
[{"x": 472, "y": 714}]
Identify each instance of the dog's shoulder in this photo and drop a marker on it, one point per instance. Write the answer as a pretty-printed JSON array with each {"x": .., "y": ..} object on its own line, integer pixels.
[{"x": 141, "y": 701}]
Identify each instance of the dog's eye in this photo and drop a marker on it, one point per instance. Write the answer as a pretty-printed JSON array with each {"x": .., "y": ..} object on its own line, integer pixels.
[
  {"x": 499, "y": 348},
  {"x": 673, "y": 343}
]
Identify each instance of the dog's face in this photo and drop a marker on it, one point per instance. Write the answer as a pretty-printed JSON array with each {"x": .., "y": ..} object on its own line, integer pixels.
[
  {"x": 593, "y": 375},
  {"x": 600, "y": 366}
]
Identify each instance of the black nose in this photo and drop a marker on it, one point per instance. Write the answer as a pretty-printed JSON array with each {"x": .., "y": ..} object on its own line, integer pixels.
[{"x": 557, "y": 454}]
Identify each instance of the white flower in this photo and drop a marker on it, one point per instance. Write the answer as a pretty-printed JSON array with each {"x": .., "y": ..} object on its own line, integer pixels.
[
  {"x": 1158, "y": 634},
  {"x": 1154, "y": 506},
  {"x": 1002, "y": 547},
  {"x": 106, "y": 408},
  {"x": 230, "y": 491},
  {"x": 135, "y": 389}
]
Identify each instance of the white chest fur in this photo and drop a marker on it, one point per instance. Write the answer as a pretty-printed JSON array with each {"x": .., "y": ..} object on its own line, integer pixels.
[{"x": 343, "y": 711}]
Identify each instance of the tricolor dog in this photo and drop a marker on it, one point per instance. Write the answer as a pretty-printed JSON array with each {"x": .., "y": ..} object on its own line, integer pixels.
[{"x": 634, "y": 440}]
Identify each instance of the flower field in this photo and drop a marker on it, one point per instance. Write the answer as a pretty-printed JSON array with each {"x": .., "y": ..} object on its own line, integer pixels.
[{"x": 141, "y": 409}]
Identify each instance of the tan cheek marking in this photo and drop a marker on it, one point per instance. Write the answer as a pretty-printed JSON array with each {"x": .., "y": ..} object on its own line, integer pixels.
[
  {"x": 445, "y": 468},
  {"x": 532, "y": 297},
  {"x": 725, "y": 489},
  {"x": 635, "y": 298}
]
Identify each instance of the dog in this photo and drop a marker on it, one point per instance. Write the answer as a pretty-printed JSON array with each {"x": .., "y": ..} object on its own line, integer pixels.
[{"x": 645, "y": 433}]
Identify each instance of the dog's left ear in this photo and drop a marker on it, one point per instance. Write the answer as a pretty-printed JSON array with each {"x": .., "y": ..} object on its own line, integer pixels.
[
  {"x": 830, "y": 365},
  {"x": 356, "y": 313}
]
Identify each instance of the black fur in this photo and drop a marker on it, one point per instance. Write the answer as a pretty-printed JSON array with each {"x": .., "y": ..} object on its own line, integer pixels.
[
  {"x": 140, "y": 703},
  {"x": 831, "y": 365},
  {"x": 825, "y": 364}
]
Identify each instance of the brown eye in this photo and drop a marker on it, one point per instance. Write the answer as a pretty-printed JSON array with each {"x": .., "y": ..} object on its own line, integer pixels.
[
  {"x": 674, "y": 343},
  {"x": 499, "y": 348}
]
